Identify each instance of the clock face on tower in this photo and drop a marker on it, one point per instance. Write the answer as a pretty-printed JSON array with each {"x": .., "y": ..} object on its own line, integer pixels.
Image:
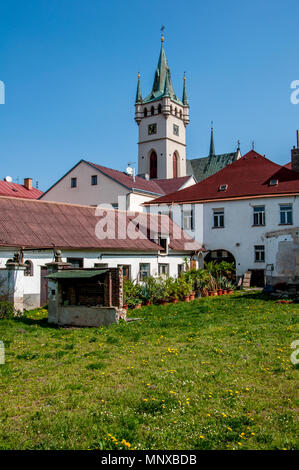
[{"x": 152, "y": 129}]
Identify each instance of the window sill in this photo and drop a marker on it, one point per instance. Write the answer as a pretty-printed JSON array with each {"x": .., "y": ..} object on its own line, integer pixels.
[
  {"x": 217, "y": 227},
  {"x": 258, "y": 225},
  {"x": 284, "y": 224}
]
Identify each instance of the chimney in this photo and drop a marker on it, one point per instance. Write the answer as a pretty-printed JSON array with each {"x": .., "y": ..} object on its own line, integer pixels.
[
  {"x": 295, "y": 155},
  {"x": 28, "y": 183}
]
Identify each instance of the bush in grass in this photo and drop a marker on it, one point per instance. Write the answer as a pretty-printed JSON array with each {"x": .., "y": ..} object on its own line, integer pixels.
[{"x": 6, "y": 309}]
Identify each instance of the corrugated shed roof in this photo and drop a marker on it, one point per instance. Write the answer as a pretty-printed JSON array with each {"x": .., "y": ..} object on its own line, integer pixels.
[
  {"x": 247, "y": 177},
  {"x": 18, "y": 190},
  {"x": 41, "y": 224}
]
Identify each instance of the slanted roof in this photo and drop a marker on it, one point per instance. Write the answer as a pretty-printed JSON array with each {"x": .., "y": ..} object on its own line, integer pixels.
[
  {"x": 247, "y": 177},
  {"x": 204, "y": 167},
  {"x": 18, "y": 190},
  {"x": 36, "y": 224}
]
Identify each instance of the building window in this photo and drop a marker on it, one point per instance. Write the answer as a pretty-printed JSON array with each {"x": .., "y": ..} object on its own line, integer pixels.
[
  {"x": 144, "y": 271},
  {"x": 188, "y": 218},
  {"x": 73, "y": 182},
  {"x": 181, "y": 269},
  {"x": 175, "y": 129},
  {"x": 163, "y": 243},
  {"x": 126, "y": 271},
  {"x": 115, "y": 205},
  {"x": 75, "y": 262},
  {"x": 259, "y": 253},
  {"x": 101, "y": 265},
  {"x": 259, "y": 215},
  {"x": 152, "y": 129},
  {"x": 145, "y": 112},
  {"x": 286, "y": 214},
  {"x": 94, "y": 180},
  {"x": 163, "y": 269},
  {"x": 29, "y": 268},
  {"x": 218, "y": 216},
  {"x": 152, "y": 110},
  {"x": 159, "y": 109}
]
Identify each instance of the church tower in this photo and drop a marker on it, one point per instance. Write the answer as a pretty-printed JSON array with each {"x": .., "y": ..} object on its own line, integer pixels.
[{"x": 162, "y": 119}]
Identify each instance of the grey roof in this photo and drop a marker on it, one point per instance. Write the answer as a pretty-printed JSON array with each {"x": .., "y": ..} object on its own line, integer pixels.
[{"x": 204, "y": 167}]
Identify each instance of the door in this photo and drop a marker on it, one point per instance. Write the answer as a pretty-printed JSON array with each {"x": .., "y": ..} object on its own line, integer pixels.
[{"x": 43, "y": 285}]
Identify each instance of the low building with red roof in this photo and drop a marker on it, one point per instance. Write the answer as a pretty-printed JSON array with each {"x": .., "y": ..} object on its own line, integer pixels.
[
  {"x": 25, "y": 191},
  {"x": 142, "y": 243},
  {"x": 247, "y": 213}
]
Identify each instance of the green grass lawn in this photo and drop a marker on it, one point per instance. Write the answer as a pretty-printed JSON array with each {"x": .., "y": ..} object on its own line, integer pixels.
[{"x": 211, "y": 374}]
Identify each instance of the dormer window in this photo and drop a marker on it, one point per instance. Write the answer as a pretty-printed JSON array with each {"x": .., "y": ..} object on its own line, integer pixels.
[
  {"x": 273, "y": 182},
  {"x": 223, "y": 187}
]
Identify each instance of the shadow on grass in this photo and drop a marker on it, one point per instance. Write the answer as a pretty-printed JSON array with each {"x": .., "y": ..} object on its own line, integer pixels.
[{"x": 42, "y": 322}]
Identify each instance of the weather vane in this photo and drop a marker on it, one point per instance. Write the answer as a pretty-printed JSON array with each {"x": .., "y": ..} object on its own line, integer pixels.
[{"x": 162, "y": 35}]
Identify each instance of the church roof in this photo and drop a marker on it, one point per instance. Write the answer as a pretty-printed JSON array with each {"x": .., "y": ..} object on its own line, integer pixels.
[
  {"x": 251, "y": 176},
  {"x": 204, "y": 167},
  {"x": 162, "y": 85}
]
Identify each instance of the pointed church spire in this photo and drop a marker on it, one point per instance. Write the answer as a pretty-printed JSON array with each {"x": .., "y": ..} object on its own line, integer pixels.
[
  {"x": 138, "y": 92},
  {"x": 185, "y": 97},
  {"x": 212, "y": 146}
]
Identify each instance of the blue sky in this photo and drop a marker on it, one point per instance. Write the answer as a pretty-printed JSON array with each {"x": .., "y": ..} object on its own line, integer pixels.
[{"x": 70, "y": 72}]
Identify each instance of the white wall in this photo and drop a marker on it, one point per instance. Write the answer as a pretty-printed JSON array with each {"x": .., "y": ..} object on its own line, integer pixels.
[
  {"x": 106, "y": 191},
  {"x": 32, "y": 284},
  {"x": 239, "y": 236}
]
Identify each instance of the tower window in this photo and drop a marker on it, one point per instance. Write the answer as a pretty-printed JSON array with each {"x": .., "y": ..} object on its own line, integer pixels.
[
  {"x": 145, "y": 112},
  {"x": 152, "y": 110},
  {"x": 175, "y": 129},
  {"x": 160, "y": 109},
  {"x": 181, "y": 114},
  {"x": 175, "y": 165},
  {"x": 152, "y": 129},
  {"x": 175, "y": 111},
  {"x": 153, "y": 165},
  {"x": 171, "y": 109}
]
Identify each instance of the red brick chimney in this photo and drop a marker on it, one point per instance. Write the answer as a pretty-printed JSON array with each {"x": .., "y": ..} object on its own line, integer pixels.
[
  {"x": 295, "y": 155},
  {"x": 28, "y": 183}
]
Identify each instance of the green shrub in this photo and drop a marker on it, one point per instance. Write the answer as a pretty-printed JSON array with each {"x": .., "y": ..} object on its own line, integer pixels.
[{"x": 6, "y": 309}]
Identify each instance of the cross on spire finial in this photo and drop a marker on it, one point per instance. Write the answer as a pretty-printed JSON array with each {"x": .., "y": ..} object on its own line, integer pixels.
[
  {"x": 162, "y": 33},
  {"x": 252, "y": 145}
]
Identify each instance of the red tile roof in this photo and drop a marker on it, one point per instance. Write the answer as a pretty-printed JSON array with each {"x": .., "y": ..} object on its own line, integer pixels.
[
  {"x": 159, "y": 186},
  {"x": 288, "y": 165},
  {"x": 247, "y": 177},
  {"x": 18, "y": 190},
  {"x": 173, "y": 184},
  {"x": 38, "y": 224}
]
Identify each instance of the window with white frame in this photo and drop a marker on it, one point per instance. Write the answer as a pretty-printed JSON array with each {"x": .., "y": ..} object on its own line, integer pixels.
[
  {"x": 188, "y": 218},
  {"x": 144, "y": 271},
  {"x": 163, "y": 269},
  {"x": 218, "y": 218},
  {"x": 259, "y": 253},
  {"x": 286, "y": 214},
  {"x": 259, "y": 215}
]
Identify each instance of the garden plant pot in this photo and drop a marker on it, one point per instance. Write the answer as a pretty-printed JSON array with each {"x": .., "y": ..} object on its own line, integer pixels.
[
  {"x": 147, "y": 303},
  {"x": 220, "y": 292},
  {"x": 187, "y": 298},
  {"x": 174, "y": 301},
  {"x": 224, "y": 291},
  {"x": 230, "y": 291},
  {"x": 137, "y": 306},
  {"x": 192, "y": 296},
  {"x": 125, "y": 306}
]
